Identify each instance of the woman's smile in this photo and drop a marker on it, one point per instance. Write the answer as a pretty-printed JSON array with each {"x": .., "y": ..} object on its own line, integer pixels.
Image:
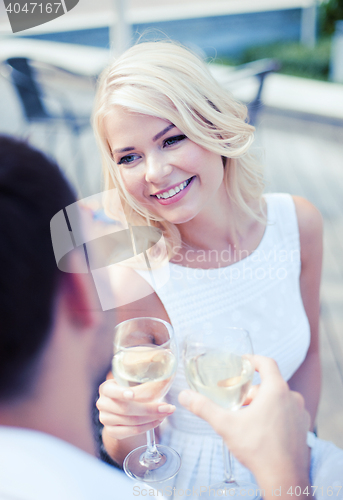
[
  {"x": 174, "y": 194},
  {"x": 166, "y": 173}
]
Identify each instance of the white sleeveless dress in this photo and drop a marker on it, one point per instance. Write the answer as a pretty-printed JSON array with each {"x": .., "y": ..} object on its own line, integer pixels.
[{"x": 260, "y": 293}]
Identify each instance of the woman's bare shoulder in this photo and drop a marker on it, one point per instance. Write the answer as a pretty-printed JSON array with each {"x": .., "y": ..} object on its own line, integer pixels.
[{"x": 310, "y": 222}]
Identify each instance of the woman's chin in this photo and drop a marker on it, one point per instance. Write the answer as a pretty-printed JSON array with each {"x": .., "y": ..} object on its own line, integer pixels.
[
  {"x": 180, "y": 220},
  {"x": 180, "y": 216}
]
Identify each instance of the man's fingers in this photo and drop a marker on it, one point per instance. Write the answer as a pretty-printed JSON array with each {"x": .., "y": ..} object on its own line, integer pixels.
[
  {"x": 299, "y": 399},
  {"x": 251, "y": 395},
  {"x": 299, "y": 402},
  {"x": 267, "y": 367},
  {"x": 201, "y": 406}
]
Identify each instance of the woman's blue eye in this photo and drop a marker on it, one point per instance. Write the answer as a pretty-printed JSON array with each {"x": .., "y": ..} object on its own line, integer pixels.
[
  {"x": 127, "y": 159},
  {"x": 174, "y": 140}
]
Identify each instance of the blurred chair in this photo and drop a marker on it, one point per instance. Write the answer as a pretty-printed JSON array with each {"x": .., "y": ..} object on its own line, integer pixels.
[
  {"x": 42, "y": 104},
  {"x": 257, "y": 70}
]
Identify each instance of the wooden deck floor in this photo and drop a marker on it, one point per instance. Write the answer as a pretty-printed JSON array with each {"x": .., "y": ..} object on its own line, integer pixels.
[{"x": 305, "y": 158}]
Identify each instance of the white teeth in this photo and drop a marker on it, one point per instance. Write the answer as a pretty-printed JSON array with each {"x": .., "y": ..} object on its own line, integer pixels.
[{"x": 173, "y": 191}]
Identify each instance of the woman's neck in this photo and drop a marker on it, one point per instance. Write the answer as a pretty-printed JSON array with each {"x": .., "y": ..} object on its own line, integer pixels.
[{"x": 221, "y": 226}]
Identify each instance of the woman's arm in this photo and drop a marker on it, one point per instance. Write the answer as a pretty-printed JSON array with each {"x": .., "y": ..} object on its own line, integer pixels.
[
  {"x": 307, "y": 379},
  {"x": 126, "y": 420}
]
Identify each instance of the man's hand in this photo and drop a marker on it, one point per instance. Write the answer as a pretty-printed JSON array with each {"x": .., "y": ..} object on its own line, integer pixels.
[{"x": 268, "y": 436}]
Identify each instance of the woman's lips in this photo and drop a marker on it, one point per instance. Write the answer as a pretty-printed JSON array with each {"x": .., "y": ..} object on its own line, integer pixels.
[{"x": 177, "y": 197}]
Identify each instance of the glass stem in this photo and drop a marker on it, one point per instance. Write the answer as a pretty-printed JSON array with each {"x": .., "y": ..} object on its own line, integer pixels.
[
  {"x": 227, "y": 465},
  {"x": 152, "y": 454}
]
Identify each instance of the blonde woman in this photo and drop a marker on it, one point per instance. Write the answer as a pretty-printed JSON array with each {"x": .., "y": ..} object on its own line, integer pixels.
[{"x": 177, "y": 147}]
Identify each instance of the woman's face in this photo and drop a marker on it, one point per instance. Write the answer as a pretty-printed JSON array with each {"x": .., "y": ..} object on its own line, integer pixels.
[{"x": 161, "y": 168}]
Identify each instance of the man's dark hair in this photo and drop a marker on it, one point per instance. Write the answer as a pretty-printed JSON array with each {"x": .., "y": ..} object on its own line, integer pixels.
[{"x": 32, "y": 191}]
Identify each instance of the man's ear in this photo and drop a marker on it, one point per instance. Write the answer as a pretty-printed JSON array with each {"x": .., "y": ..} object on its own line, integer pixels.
[{"x": 79, "y": 293}]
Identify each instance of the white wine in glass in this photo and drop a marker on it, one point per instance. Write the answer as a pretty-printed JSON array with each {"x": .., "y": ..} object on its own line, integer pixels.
[
  {"x": 223, "y": 377},
  {"x": 145, "y": 358},
  {"x": 217, "y": 366}
]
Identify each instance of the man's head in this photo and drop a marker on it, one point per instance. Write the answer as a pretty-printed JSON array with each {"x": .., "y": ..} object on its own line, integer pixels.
[
  {"x": 32, "y": 190},
  {"x": 32, "y": 289}
]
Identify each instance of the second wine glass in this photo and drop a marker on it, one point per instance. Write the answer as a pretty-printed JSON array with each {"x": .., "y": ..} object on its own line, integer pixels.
[
  {"x": 146, "y": 357},
  {"x": 217, "y": 366}
]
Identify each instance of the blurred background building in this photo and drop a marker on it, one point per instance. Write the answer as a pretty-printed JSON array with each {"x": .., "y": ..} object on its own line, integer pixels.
[
  {"x": 219, "y": 27},
  {"x": 298, "y": 116}
]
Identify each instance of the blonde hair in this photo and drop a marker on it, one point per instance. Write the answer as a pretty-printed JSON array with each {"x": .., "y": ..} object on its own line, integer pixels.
[{"x": 166, "y": 80}]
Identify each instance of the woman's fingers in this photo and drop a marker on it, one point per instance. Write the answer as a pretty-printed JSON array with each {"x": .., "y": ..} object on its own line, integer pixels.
[
  {"x": 156, "y": 409},
  {"x": 144, "y": 393},
  {"x": 111, "y": 389},
  {"x": 121, "y": 401},
  {"x": 110, "y": 419},
  {"x": 124, "y": 414},
  {"x": 122, "y": 432}
]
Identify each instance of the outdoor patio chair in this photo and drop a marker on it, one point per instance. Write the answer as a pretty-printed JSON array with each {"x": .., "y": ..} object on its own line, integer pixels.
[
  {"x": 44, "y": 105},
  {"x": 253, "y": 70}
]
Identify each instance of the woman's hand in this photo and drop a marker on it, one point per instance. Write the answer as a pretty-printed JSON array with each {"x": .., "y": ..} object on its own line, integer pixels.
[{"x": 127, "y": 412}]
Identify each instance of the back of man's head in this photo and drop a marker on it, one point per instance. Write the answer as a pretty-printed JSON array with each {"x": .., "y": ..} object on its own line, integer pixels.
[{"x": 32, "y": 191}]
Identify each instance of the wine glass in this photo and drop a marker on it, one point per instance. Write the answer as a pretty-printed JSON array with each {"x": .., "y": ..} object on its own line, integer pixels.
[
  {"x": 145, "y": 357},
  {"x": 216, "y": 365}
]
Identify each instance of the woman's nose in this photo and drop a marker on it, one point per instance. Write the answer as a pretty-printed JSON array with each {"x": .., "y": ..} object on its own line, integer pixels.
[{"x": 156, "y": 168}]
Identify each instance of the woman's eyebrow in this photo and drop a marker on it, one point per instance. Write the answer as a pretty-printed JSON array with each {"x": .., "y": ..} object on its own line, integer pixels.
[
  {"x": 123, "y": 150},
  {"x": 164, "y": 131},
  {"x": 155, "y": 138}
]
